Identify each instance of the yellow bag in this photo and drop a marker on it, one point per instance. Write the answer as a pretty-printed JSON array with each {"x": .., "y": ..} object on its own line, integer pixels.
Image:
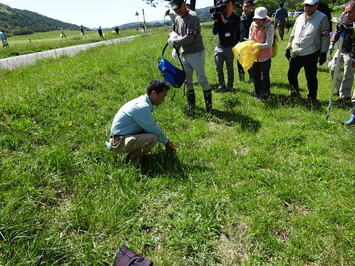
[{"x": 246, "y": 53}]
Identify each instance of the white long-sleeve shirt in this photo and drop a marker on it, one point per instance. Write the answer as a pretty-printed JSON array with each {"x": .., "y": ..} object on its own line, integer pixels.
[{"x": 310, "y": 34}]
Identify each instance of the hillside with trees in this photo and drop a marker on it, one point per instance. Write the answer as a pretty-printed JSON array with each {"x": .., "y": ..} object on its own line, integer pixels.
[{"x": 19, "y": 22}]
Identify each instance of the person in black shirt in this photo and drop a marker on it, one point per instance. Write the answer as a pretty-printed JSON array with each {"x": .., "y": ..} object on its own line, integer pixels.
[
  {"x": 228, "y": 30},
  {"x": 99, "y": 30},
  {"x": 245, "y": 21},
  {"x": 82, "y": 30},
  {"x": 324, "y": 8}
]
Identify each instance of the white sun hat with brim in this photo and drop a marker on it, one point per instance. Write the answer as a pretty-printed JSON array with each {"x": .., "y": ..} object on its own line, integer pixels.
[{"x": 260, "y": 13}]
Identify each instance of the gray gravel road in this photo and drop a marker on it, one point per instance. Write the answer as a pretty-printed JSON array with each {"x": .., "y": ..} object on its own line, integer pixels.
[{"x": 28, "y": 59}]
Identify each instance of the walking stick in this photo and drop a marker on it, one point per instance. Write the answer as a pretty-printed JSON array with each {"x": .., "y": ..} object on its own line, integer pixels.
[{"x": 337, "y": 69}]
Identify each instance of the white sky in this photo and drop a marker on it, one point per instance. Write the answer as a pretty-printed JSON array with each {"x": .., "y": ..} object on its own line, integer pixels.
[{"x": 95, "y": 13}]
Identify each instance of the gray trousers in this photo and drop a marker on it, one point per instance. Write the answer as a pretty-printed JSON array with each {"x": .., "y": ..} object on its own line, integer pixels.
[
  {"x": 195, "y": 62},
  {"x": 343, "y": 83},
  {"x": 224, "y": 54}
]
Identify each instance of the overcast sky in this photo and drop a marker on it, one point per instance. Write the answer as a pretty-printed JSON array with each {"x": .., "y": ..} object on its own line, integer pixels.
[{"x": 95, "y": 13}]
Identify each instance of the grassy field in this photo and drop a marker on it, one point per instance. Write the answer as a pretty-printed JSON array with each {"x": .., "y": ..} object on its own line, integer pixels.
[
  {"x": 252, "y": 183},
  {"x": 43, "y": 41}
]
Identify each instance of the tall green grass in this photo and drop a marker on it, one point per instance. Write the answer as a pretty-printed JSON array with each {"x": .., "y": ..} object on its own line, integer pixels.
[{"x": 252, "y": 183}]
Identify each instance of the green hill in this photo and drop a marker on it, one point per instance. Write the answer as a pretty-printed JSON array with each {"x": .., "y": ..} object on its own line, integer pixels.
[{"x": 19, "y": 22}]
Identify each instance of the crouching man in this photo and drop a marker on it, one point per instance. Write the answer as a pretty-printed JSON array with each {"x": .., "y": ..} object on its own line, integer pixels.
[{"x": 134, "y": 131}]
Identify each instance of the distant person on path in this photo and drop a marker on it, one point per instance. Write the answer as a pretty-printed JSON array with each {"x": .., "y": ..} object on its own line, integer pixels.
[
  {"x": 187, "y": 35},
  {"x": 82, "y": 30},
  {"x": 3, "y": 39},
  {"x": 117, "y": 30},
  {"x": 281, "y": 17},
  {"x": 134, "y": 131},
  {"x": 245, "y": 22},
  {"x": 228, "y": 29},
  {"x": 62, "y": 33},
  {"x": 99, "y": 30},
  {"x": 262, "y": 31},
  {"x": 343, "y": 83},
  {"x": 309, "y": 41}
]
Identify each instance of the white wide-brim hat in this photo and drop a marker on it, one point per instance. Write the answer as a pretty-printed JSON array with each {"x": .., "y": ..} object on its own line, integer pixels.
[{"x": 260, "y": 13}]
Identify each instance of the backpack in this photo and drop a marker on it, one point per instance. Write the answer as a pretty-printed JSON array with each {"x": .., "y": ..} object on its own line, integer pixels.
[
  {"x": 171, "y": 74},
  {"x": 275, "y": 47}
]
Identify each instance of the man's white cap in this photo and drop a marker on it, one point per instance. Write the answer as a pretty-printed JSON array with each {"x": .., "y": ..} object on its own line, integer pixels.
[
  {"x": 310, "y": 2},
  {"x": 260, "y": 13}
]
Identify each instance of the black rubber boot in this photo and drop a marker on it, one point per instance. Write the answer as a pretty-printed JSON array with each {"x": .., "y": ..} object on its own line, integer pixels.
[
  {"x": 191, "y": 101},
  {"x": 208, "y": 100}
]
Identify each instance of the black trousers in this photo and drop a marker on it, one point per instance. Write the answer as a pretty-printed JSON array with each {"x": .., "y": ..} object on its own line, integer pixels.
[
  {"x": 309, "y": 62},
  {"x": 261, "y": 76}
]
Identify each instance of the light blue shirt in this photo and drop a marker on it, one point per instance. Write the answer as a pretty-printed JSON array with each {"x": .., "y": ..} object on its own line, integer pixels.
[{"x": 135, "y": 117}]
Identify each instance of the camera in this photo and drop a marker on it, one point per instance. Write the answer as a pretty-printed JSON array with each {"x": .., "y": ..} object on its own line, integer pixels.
[{"x": 219, "y": 9}]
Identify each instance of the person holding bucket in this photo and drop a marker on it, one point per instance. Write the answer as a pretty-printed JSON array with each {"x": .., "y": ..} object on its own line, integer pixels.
[{"x": 187, "y": 35}]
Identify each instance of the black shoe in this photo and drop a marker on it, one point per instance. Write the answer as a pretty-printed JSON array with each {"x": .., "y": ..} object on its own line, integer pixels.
[
  {"x": 220, "y": 89},
  {"x": 344, "y": 99},
  {"x": 310, "y": 100},
  {"x": 229, "y": 90}
]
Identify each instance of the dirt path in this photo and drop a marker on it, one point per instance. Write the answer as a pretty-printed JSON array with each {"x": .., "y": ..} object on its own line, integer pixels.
[{"x": 28, "y": 59}]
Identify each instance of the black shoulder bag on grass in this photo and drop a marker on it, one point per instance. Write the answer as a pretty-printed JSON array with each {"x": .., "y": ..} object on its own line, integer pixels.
[{"x": 127, "y": 257}]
